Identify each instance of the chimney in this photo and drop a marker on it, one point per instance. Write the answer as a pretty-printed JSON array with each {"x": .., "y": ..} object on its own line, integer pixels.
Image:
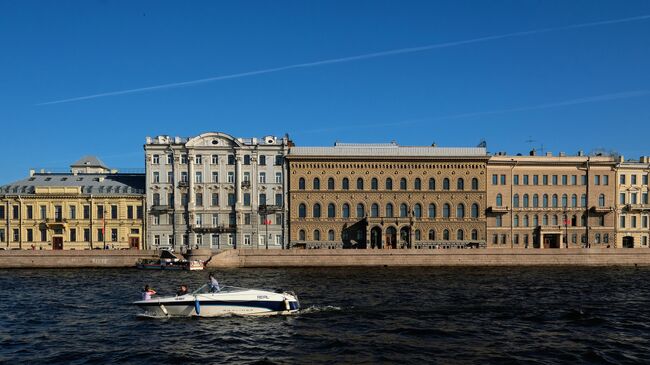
[
  {"x": 581, "y": 153},
  {"x": 533, "y": 152},
  {"x": 549, "y": 154}
]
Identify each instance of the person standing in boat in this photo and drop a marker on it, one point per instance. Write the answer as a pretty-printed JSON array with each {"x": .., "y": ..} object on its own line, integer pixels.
[
  {"x": 214, "y": 284},
  {"x": 147, "y": 293}
]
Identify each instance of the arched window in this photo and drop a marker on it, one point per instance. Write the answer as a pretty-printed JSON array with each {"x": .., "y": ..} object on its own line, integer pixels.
[
  {"x": 474, "y": 210},
  {"x": 525, "y": 200},
  {"x": 535, "y": 220},
  {"x": 535, "y": 200},
  {"x": 515, "y": 201},
  {"x": 389, "y": 183},
  {"x": 316, "y": 183},
  {"x": 545, "y": 201},
  {"x": 331, "y": 210},
  {"x": 460, "y": 211},
  {"x": 302, "y": 211},
  {"x": 345, "y": 184},
  {"x": 499, "y": 200},
  {"x": 474, "y": 184},
  {"x": 346, "y": 210},
  {"x": 474, "y": 234},
  {"x": 301, "y": 184},
  {"x": 373, "y": 184},
  {"x": 432, "y": 235},
  {"x": 417, "y": 211},
  {"x": 316, "y": 235},
  {"x": 417, "y": 184},
  {"x": 432, "y": 184},
  {"x": 301, "y": 235},
  {"x": 403, "y": 210},
  {"x": 574, "y": 200},
  {"x": 432, "y": 210},
  {"x": 601, "y": 200},
  {"x": 445, "y": 184},
  {"x": 564, "y": 200},
  {"x": 374, "y": 210},
  {"x": 360, "y": 211},
  {"x": 316, "y": 210},
  {"x": 359, "y": 184},
  {"x": 402, "y": 183},
  {"x": 330, "y": 184},
  {"x": 554, "y": 200},
  {"x": 446, "y": 210},
  {"x": 555, "y": 220},
  {"x": 418, "y": 235},
  {"x": 545, "y": 220},
  {"x": 526, "y": 221},
  {"x": 583, "y": 200},
  {"x": 460, "y": 235},
  {"x": 389, "y": 210},
  {"x": 460, "y": 185},
  {"x": 445, "y": 235},
  {"x": 330, "y": 235},
  {"x": 516, "y": 221}
]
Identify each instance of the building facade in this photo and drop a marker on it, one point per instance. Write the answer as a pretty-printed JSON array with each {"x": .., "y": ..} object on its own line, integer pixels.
[
  {"x": 551, "y": 201},
  {"x": 91, "y": 207},
  {"x": 632, "y": 207},
  {"x": 216, "y": 191},
  {"x": 387, "y": 196}
]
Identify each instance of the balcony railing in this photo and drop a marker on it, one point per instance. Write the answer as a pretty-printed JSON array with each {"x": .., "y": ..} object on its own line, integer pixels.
[
  {"x": 245, "y": 184},
  {"x": 219, "y": 228},
  {"x": 598, "y": 209},
  {"x": 495, "y": 209},
  {"x": 183, "y": 184},
  {"x": 631, "y": 207},
  {"x": 269, "y": 208},
  {"x": 159, "y": 208}
]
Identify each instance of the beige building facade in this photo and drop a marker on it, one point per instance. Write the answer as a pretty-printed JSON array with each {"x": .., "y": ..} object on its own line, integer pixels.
[
  {"x": 386, "y": 196},
  {"x": 551, "y": 201},
  {"x": 91, "y": 207},
  {"x": 632, "y": 206}
]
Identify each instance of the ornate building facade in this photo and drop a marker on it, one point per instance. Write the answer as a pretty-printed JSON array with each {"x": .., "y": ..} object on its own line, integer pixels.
[
  {"x": 216, "y": 191},
  {"x": 91, "y": 207},
  {"x": 551, "y": 201},
  {"x": 387, "y": 196},
  {"x": 632, "y": 206}
]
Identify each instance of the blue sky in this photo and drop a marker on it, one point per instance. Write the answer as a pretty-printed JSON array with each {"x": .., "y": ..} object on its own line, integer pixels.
[{"x": 567, "y": 87}]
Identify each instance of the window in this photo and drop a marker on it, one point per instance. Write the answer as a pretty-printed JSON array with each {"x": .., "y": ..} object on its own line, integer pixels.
[
  {"x": 156, "y": 177},
  {"x": 565, "y": 179},
  {"x": 446, "y": 210},
  {"x": 389, "y": 184},
  {"x": 2, "y": 214},
  {"x": 644, "y": 179},
  {"x": 198, "y": 159},
  {"x": 622, "y": 222},
  {"x": 360, "y": 211},
  {"x": 525, "y": 220},
  {"x": 374, "y": 210},
  {"x": 535, "y": 200},
  {"x": 184, "y": 176},
  {"x": 301, "y": 235},
  {"x": 262, "y": 159},
  {"x": 278, "y": 200},
  {"x": 374, "y": 185},
  {"x": 432, "y": 184},
  {"x": 231, "y": 159},
  {"x": 316, "y": 183},
  {"x": 475, "y": 210},
  {"x": 498, "y": 221},
  {"x": 622, "y": 198},
  {"x": 402, "y": 184},
  {"x": 301, "y": 183},
  {"x": 359, "y": 184},
  {"x": 545, "y": 180},
  {"x": 247, "y": 176},
  {"x": 474, "y": 184},
  {"x": 633, "y": 179},
  {"x": 432, "y": 235},
  {"x": 330, "y": 235},
  {"x": 316, "y": 211},
  {"x": 555, "y": 220},
  {"x": 525, "y": 179},
  {"x": 432, "y": 210},
  {"x": 545, "y": 201},
  {"x": 330, "y": 184},
  {"x": 445, "y": 235},
  {"x": 460, "y": 235},
  {"x": 583, "y": 200},
  {"x": 515, "y": 201},
  {"x": 247, "y": 199},
  {"x": 554, "y": 201},
  {"x": 262, "y": 199},
  {"x": 460, "y": 211},
  {"x": 596, "y": 179},
  {"x": 417, "y": 211},
  {"x": 535, "y": 220},
  {"x": 535, "y": 179},
  {"x": 113, "y": 211},
  {"x": 72, "y": 215},
  {"x": 302, "y": 211},
  {"x": 215, "y": 177},
  {"x": 345, "y": 184},
  {"x": 460, "y": 184},
  {"x": 495, "y": 179},
  {"x": 445, "y": 184},
  {"x": 564, "y": 200},
  {"x": 499, "y": 201},
  {"x": 545, "y": 220},
  {"x": 100, "y": 211},
  {"x": 503, "y": 179},
  {"x": 515, "y": 180},
  {"x": 389, "y": 210},
  {"x": 316, "y": 235},
  {"x": 214, "y": 159},
  {"x": 156, "y": 159},
  {"x": 574, "y": 200},
  {"x": 525, "y": 200},
  {"x": 247, "y": 159},
  {"x": 262, "y": 178},
  {"x": 418, "y": 235},
  {"x": 331, "y": 210},
  {"x": 278, "y": 178},
  {"x": 417, "y": 184},
  {"x": 231, "y": 199},
  {"x": 403, "y": 210},
  {"x": 346, "y": 210}
]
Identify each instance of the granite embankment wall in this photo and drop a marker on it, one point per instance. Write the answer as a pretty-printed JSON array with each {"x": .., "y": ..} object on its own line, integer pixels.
[
  {"x": 73, "y": 258},
  {"x": 479, "y": 257}
]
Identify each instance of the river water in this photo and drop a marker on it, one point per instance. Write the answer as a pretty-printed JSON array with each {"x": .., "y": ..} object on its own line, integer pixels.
[{"x": 350, "y": 315}]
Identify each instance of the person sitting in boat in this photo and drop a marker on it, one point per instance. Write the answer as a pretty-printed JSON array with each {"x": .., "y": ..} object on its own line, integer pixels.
[
  {"x": 182, "y": 290},
  {"x": 214, "y": 284},
  {"x": 147, "y": 293}
]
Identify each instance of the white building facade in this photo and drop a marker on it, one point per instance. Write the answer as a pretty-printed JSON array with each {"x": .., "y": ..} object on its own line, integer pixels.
[{"x": 216, "y": 191}]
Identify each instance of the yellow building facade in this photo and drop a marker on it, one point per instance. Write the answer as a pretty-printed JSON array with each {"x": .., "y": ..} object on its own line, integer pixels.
[{"x": 632, "y": 206}]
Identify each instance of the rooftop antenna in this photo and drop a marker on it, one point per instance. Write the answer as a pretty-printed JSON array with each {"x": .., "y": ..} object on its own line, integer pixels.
[
  {"x": 530, "y": 141},
  {"x": 482, "y": 143}
]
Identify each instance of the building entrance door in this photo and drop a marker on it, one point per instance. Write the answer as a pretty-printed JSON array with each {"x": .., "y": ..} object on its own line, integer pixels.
[
  {"x": 391, "y": 237},
  {"x": 375, "y": 237},
  {"x": 628, "y": 242},
  {"x": 551, "y": 241},
  {"x": 57, "y": 243},
  {"x": 134, "y": 242}
]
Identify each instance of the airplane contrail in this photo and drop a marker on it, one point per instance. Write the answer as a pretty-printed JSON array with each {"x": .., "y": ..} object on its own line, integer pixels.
[
  {"x": 349, "y": 59},
  {"x": 584, "y": 100}
]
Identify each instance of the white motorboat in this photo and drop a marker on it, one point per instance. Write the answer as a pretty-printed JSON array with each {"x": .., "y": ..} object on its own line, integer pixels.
[{"x": 228, "y": 301}]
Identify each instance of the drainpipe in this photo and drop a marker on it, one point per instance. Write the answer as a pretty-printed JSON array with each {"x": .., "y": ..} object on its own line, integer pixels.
[
  {"x": 90, "y": 210},
  {"x": 587, "y": 202},
  {"x": 20, "y": 222},
  {"x": 512, "y": 211},
  {"x": 143, "y": 220}
]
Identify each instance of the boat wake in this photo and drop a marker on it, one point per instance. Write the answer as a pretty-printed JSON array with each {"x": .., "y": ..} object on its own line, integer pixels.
[{"x": 319, "y": 308}]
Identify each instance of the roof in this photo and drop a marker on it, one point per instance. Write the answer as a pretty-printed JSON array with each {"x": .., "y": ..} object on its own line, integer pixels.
[
  {"x": 388, "y": 150},
  {"x": 89, "y": 161},
  {"x": 100, "y": 184}
]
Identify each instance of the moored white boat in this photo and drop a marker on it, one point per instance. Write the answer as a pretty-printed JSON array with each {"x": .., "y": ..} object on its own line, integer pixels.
[{"x": 227, "y": 301}]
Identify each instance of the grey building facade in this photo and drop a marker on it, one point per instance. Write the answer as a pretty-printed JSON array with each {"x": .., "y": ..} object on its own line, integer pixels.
[{"x": 216, "y": 191}]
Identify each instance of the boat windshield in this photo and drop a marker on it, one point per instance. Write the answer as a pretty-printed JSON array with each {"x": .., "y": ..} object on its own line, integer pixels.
[{"x": 206, "y": 288}]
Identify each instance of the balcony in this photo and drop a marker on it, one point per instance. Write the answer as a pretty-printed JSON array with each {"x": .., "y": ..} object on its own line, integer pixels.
[
  {"x": 637, "y": 207},
  {"x": 245, "y": 184},
  {"x": 269, "y": 208},
  {"x": 498, "y": 210},
  {"x": 220, "y": 228},
  {"x": 602, "y": 210},
  {"x": 56, "y": 222},
  {"x": 159, "y": 208},
  {"x": 183, "y": 184}
]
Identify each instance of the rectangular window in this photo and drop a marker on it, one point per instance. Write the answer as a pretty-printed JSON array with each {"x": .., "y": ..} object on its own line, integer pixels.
[
  {"x": 644, "y": 221},
  {"x": 583, "y": 179},
  {"x": 43, "y": 235},
  {"x": 644, "y": 198},
  {"x": 633, "y": 179},
  {"x": 515, "y": 180},
  {"x": 170, "y": 159},
  {"x": 231, "y": 199},
  {"x": 215, "y": 220},
  {"x": 495, "y": 179},
  {"x": 129, "y": 212},
  {"x": 139, "y": 212},
  {"x": 198, "y": 160},
  {"x": 170, "y": 177},
  {"x": 215, "y": 199},
  {"x": 247, "y": 239},
  {"x": 184, "y": 176},
  {"x": 43, "y": 212},
  {"x": 156, "y": 159},
  {"x": 278, "y": 218},
  {"x": 114, "y": 235},
  {"x": 247, "y": 199},
  {"x": 633, "y": 223},
  {"x": 535, "y": 179},
  {"x": 525, "y": 179},
  {"x": 30, "y": 212},
  {"x": 262, "y": 179},
  {"x": 278, "y": 160},
  {"x": 622, "y": 179},
  {"x": 156, "y": 220},
  {"x": 278, "y": 200},
  {"x": 198, "y": 177},
  {"x": 565, "y": 180},
  {"x": 30, "y": 235},
  {"x": 247, "y": 159},
  {"x": 184, "y": 159},
  {"x": 231, "y": 177},
  {"x": 100, "y": 235},
  {"x": 2, "y": 212},
  {"x": 633, "y": 198},
  {"x": 73, "y": 235},
  {"x": 184, "y": 199},
  {"x": 113, "y": 211},
  {"x": 545, "y": 179},
  {"x": 100, "y": 212},
  {"x": 214, "y": 240},
  {"x": 215, "y": 159},
  {"x": 247, "y": 218},
  {"x": 645, "y": 179},
  {"x": 262, "y": 199},
  {"x": 574, "y": 179},
  {"x": 86, "y": 234},
  {"x": 554, "y": 180},
  {"x": 622, "y": 223},
  {"x": 503, "y": 179},
  {"x": 86, "y": 211},
  {"x": 596, "y": 179},
  {"x": 605, "y": 180},
  {"x": 231, "y": 159},
  {"x": 215, "y": 177},
  {"x": 199, "y": 199},
  {"x": 621, "y": 198},
  {"x": 278, "y": 178},
  {"x": 156, "y": 177},
  {"x": 170, "y": 199},
  {"x": 262, "y": 160},
  {"x": 73, "y": 212}
]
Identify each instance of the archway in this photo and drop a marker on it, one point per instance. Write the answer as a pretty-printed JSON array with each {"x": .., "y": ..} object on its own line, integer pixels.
[
  {"x": 391, "y": 237},
  {"x": 628, "y": 242},
  {"x": 375, "y": 237},
  {"x": 405, "y": 236}
]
